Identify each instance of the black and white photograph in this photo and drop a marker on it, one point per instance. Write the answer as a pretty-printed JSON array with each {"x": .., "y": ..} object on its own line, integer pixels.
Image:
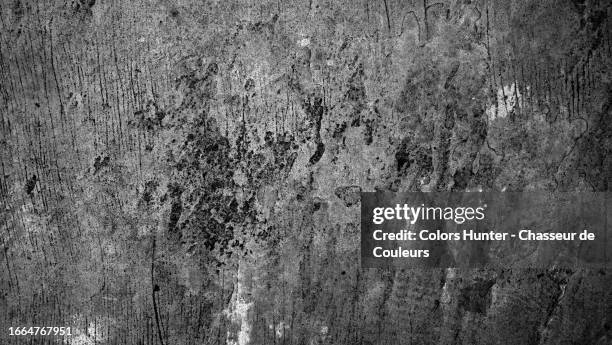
[{"x": 314, "y": 172}]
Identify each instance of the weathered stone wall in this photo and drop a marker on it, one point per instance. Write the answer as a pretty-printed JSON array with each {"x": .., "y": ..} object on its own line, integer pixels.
[{"x": 188, "y": 172}]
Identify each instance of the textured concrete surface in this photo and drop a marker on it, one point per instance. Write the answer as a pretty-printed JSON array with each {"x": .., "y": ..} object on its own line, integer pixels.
[{"x": 188, "y": 172}]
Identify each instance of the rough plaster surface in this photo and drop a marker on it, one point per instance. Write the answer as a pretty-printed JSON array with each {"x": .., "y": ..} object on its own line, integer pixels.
[{"x": 188, "y": 172}]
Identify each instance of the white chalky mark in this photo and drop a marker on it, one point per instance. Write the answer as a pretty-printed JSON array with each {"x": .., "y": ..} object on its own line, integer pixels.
[
  {"x": 238, "y": 313},
  {"x": 508, "y": 99}
]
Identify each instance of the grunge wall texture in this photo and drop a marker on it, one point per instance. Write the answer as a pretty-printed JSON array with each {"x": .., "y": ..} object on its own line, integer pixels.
[{"x": 188, "y": 172}]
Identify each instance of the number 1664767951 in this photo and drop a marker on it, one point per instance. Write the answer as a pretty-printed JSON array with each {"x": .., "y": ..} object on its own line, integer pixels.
[{"x": 39, "y": 330}]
